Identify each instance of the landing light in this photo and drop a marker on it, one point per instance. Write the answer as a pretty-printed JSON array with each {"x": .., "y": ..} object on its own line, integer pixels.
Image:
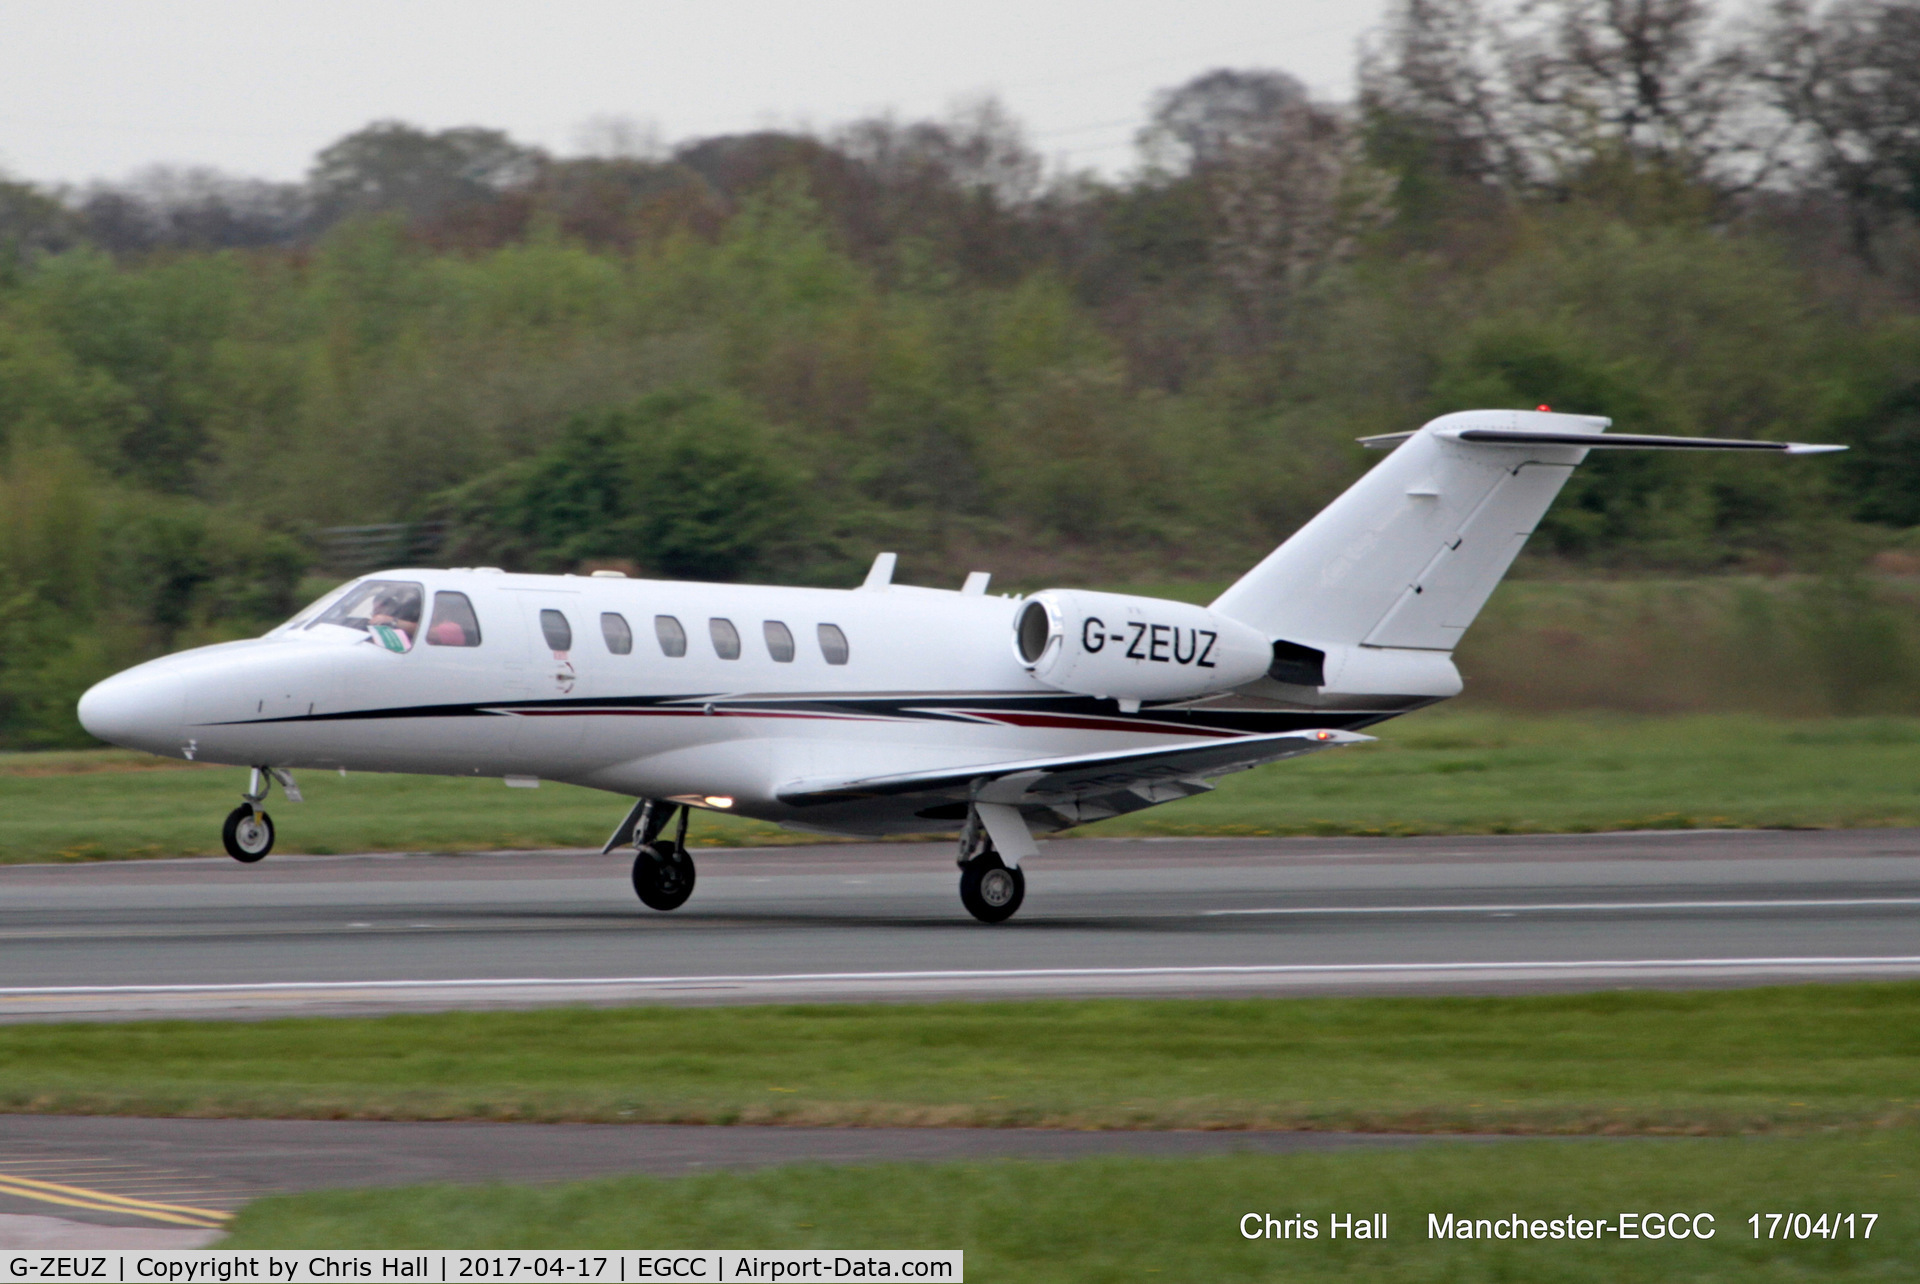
[
  {"x": 718, "y": 801},
  {"x": 1323, "y": 735}
]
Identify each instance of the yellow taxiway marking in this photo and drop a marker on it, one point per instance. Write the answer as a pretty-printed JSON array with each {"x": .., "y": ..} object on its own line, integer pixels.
[{"x": 101, "y": 1201}]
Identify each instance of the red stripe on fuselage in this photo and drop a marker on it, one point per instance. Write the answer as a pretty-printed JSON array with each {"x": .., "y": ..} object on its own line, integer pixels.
[
  {"x": 688, "y": 713},
  {"x": 1081, "y": 722}
]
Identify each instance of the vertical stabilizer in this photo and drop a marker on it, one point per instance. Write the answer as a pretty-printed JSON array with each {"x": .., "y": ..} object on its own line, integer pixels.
[{"x": 1410, "y": 553}]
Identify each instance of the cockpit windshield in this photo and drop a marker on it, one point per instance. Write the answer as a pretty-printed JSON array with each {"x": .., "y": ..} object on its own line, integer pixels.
[
  {"x": 305, "y": 615},
  {"x": 388, "y": 611}
]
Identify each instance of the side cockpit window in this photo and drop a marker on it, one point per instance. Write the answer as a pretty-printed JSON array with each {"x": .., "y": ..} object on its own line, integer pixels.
[
  {"x": 387, "y": 611},
  {"x": 453, "y": 622}
]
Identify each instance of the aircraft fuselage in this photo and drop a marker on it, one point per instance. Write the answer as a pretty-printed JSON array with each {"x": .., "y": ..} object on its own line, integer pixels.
[{"x": 760, "y": 698}]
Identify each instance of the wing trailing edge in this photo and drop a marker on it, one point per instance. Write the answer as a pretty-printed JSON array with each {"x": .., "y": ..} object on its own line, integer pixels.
[{"x": 1049, "y": 782}]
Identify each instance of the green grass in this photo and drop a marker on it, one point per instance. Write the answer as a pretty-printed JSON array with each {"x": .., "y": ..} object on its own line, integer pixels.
[
  {"x": 109, "y": 804},
  {"x": 1705, "y": 1061},
  {"x": 1133, "y": 1219},
  {"x": 1437, "y": 772},
  {"x": 1467, "y": 771}
]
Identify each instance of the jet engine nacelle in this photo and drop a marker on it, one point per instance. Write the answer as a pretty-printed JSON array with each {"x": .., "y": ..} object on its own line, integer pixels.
[{"x": 1135, "y": 648}]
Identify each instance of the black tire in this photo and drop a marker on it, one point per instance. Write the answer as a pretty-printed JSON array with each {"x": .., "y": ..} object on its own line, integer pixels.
[
  {"x": 991, "y": 892},
  {"x": 246, "y": 841},
  {"x": 663, "y": 875}
]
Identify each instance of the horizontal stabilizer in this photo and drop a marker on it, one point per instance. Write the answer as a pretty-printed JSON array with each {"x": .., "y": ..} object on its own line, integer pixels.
[
  {"x": 1050, "y": 781},
  {"x": 1407, "y": 556},
  {"x": 1599, "y": 441}
]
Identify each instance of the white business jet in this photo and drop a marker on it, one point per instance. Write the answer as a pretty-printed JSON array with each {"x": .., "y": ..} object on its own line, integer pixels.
[{"x": 885, "y": 709}]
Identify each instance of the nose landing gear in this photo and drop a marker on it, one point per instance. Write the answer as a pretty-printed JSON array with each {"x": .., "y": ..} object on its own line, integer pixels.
[{"x": 248, "y": 832}]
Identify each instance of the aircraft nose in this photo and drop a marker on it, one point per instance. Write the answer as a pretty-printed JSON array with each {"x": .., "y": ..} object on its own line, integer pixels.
[{"x": 143, "y": 708}]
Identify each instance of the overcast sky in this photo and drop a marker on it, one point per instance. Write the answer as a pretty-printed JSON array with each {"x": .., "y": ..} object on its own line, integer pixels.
[{"x": 99, "y": 88}]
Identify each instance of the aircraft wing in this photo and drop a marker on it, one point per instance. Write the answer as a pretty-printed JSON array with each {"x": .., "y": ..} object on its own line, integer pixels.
[{"x": 1062, "y": 782}]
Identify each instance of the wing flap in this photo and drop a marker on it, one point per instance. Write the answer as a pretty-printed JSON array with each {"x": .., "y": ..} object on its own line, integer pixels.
[{"x": 1050, "y": 781}]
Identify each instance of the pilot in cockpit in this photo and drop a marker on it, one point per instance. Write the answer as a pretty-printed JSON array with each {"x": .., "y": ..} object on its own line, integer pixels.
[{"x": 395, "y": 620}]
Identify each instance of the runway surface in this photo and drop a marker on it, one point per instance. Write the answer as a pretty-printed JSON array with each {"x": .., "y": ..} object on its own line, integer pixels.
[{"x": 306, "y": 934}]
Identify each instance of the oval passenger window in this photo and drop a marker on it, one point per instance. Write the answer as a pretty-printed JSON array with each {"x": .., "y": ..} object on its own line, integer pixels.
[
  {"x": 558, "y": 632},
  {"x": 779, "y": 641},
  {"x": 726, "y": 638},
  {"x": 673, "y": 638},
  {"x": 614, "y": 629},
  {"x": 833, "y": 644},
  {"x": 453, "y": 622}
]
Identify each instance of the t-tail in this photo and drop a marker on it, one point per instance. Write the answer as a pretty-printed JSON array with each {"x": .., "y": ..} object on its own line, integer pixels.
[{"x": 1377, "y": 590}]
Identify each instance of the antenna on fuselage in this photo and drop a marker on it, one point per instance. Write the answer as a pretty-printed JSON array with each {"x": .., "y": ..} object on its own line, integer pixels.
[{"x": 880, "y": 574}]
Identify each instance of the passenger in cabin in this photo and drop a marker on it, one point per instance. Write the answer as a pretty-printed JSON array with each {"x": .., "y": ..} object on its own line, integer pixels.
[{"x": 453, "y": 623}]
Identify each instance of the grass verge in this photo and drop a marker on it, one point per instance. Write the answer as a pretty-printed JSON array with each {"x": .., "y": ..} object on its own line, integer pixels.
[
  {"x": 1131, "y": 1219},
  {"x": 1444, "y": 771},
  {"x": 1697, "y": 1062}
]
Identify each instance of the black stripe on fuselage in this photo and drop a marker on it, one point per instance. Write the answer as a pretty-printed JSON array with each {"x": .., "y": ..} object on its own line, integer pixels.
[{"x": 1014, "y": 710}]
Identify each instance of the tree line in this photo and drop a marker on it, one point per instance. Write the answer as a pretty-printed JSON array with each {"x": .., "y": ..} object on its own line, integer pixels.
[{"x": 767, "y": 355}]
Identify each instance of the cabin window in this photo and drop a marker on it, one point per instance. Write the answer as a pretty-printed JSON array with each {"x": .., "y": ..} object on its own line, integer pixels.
[
  {"x": 833, "y": 644},
  {"x": 726, "y": 638},
  {"x": 779, "y": 641},
  {"x": 387, "y": 611},
  {"x": 673, "y": 638},
  {"x": 453, "y": 622},
  {"x": 558, "y": 632},
  {"x": 619, "y": 637}
]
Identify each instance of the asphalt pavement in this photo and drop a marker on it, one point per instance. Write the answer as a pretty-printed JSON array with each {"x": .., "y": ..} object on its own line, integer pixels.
[
  {"x": 351, "y": 934},
  {"x": 1102, "y": 916}
]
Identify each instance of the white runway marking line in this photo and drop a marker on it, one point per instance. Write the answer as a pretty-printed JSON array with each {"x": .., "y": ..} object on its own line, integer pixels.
[
  {"x": 1002, "y": 974},
  {"x": 1564, "y": 907}
]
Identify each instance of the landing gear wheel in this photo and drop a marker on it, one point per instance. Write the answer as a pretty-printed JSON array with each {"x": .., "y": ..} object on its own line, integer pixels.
[
  {"x": 663, "y": 875},
  {"x": 248, "y": 834},
  {"x": 990, "y": 891}
]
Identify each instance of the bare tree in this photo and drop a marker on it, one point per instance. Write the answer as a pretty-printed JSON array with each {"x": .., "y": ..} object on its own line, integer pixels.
[
  {"x": 1439, "y": 69},
  {"x": 1287, "y": 186},
  {"x": 980, "y": 148},
  {"x": 1643, "y": 77},
  {"x": 1848, "y": 79},
  {"x": 1533, "y": 92}
]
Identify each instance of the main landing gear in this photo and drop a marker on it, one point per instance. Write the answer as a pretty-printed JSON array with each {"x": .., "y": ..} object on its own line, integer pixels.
[
  {"x": 248, "y": 833},
  {"x": 990, "y": 889},
  {"x": 663, "y": 872}
]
